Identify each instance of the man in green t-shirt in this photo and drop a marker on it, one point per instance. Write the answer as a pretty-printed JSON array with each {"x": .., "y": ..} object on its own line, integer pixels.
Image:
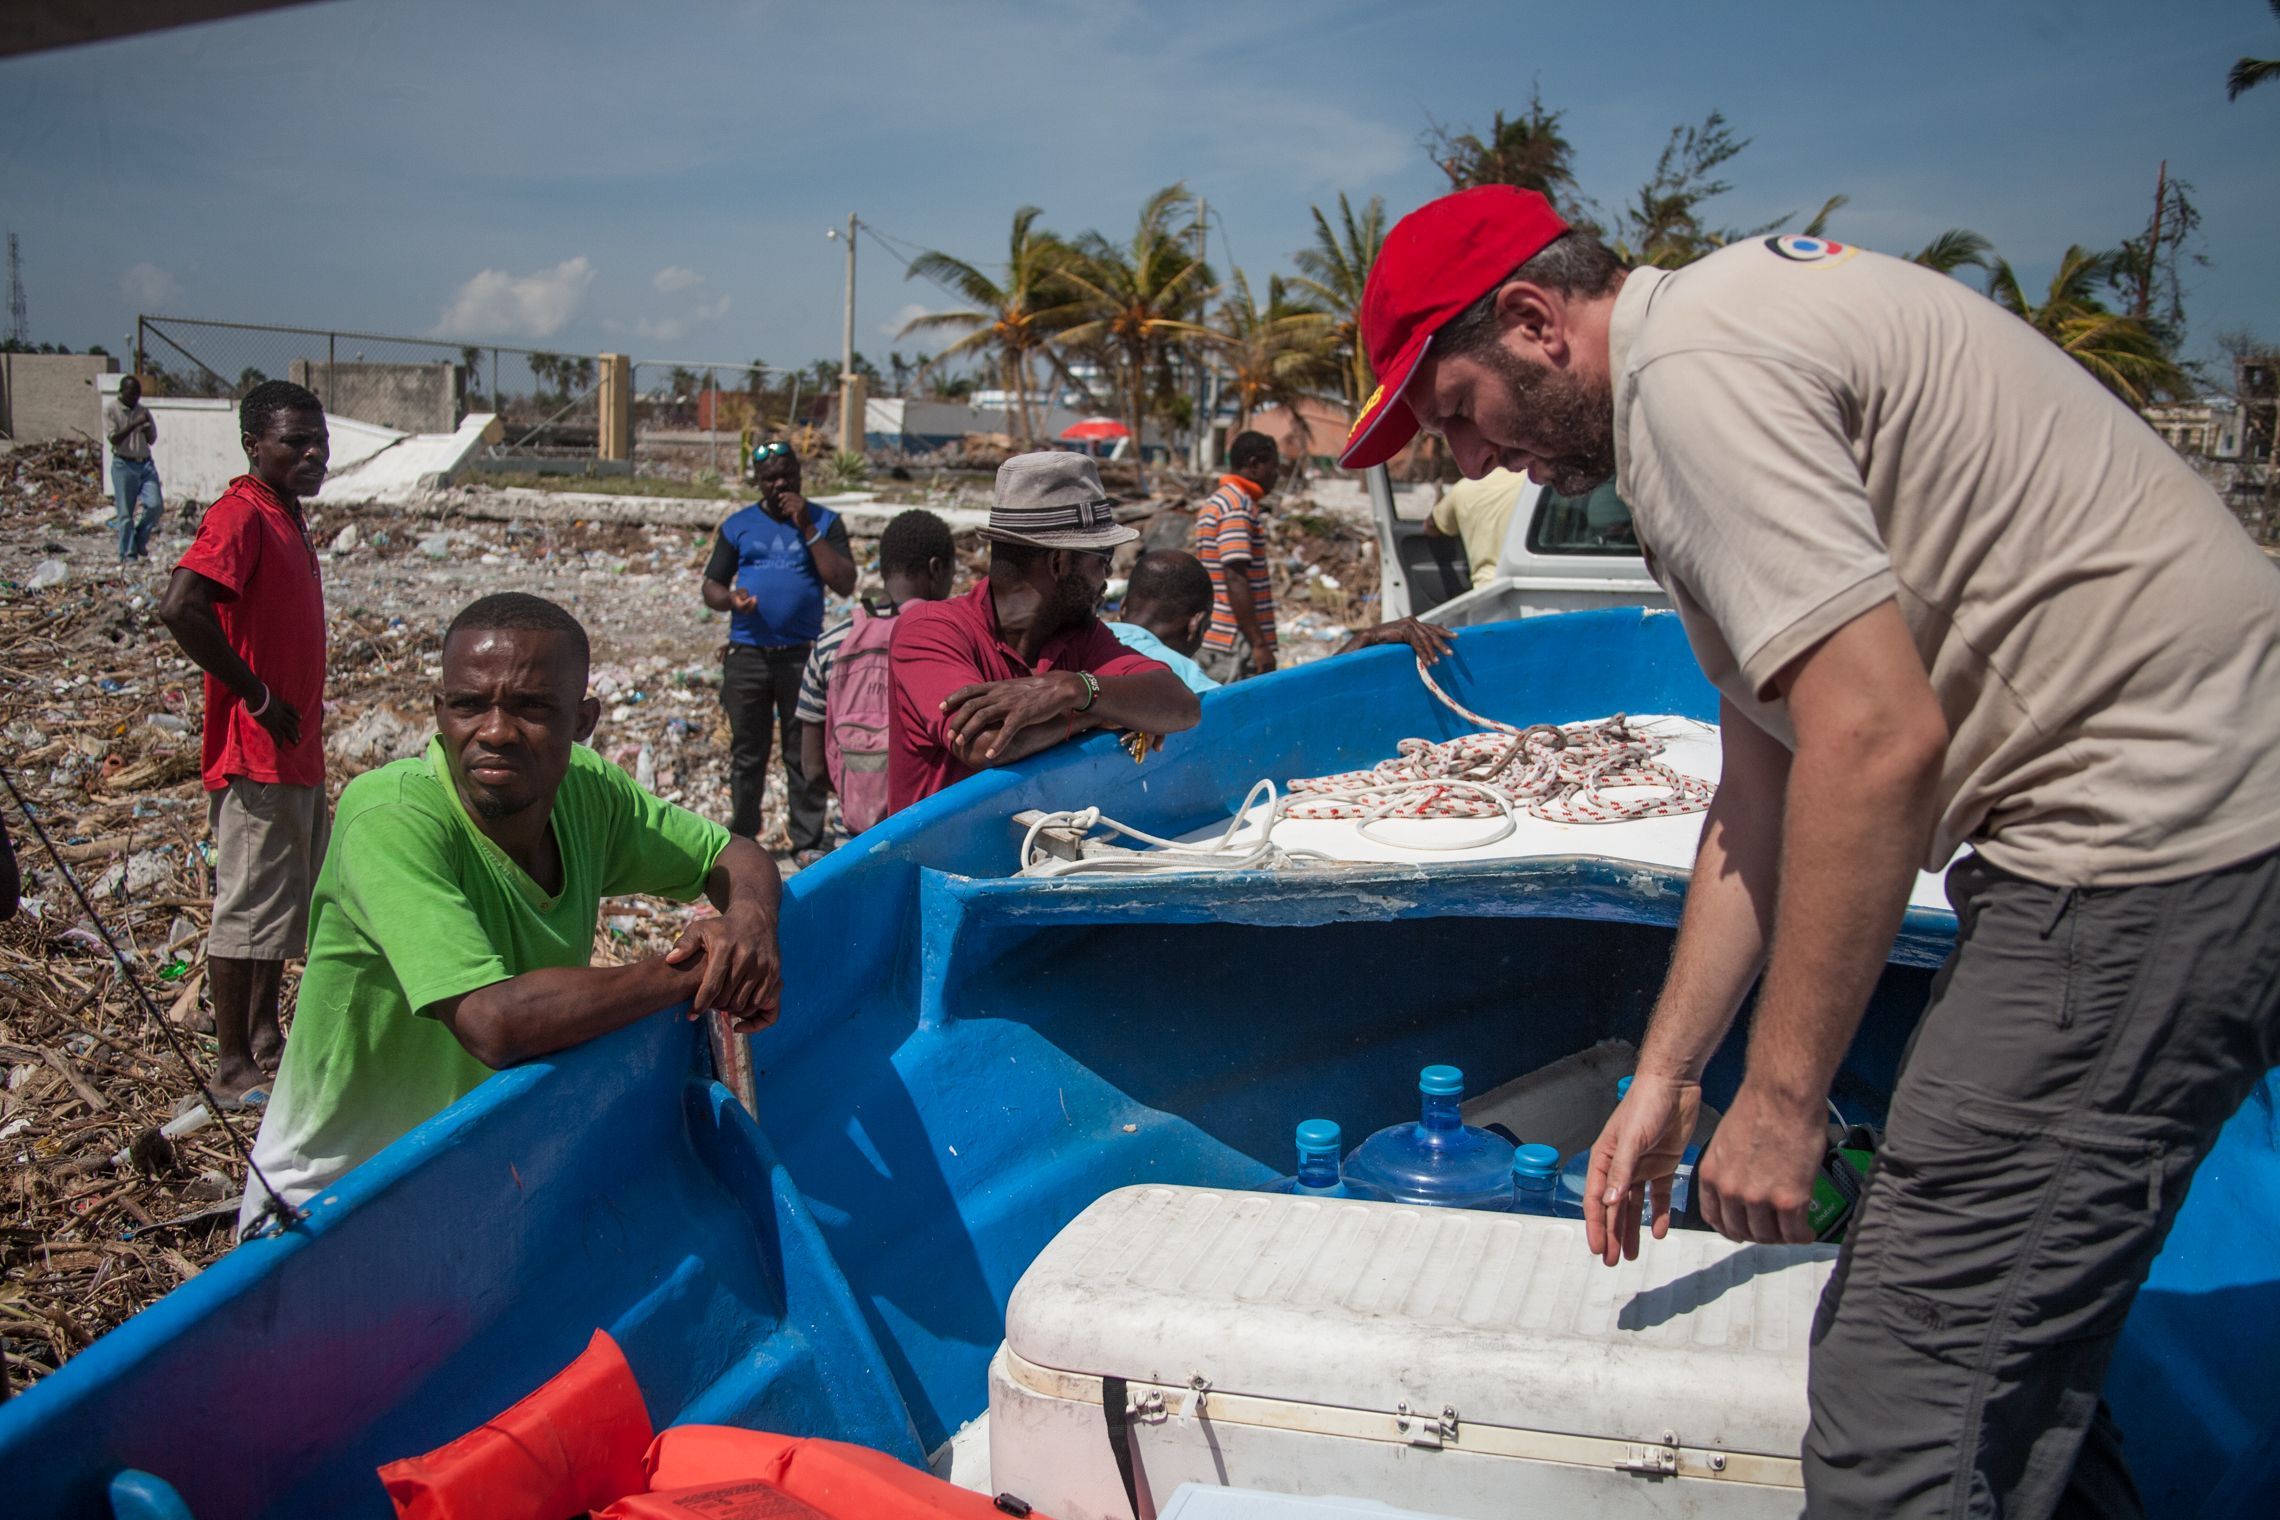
[{"x": 454, "y": 917}]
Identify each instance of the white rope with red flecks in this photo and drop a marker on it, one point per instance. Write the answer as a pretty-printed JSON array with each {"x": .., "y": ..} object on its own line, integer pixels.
[{"x": 1561, "y": 773}]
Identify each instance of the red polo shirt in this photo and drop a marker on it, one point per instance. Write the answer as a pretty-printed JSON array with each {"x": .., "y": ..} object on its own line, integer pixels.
[
  {"x": 941, "y": 646},
  {"x": 274, "y": 617}
]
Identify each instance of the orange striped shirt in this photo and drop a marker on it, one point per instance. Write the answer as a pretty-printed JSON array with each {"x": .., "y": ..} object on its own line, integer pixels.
[{"x": 1229, "y": 539}]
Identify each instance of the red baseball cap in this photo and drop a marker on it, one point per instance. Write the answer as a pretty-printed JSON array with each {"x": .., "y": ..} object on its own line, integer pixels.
[{"x": 1438, "y": 260}]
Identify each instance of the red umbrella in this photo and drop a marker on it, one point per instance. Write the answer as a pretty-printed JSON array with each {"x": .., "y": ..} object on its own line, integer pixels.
[{"x": 1093, "y": 429}]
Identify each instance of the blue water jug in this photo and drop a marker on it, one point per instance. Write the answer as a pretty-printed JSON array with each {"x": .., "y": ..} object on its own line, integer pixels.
[
  {"x": 1318, "y": 1175},
  {"x": 1535, "y": 1179},
  {"x": 1567, "y": 1201},
  {"x": 1440, "y": 1159}
]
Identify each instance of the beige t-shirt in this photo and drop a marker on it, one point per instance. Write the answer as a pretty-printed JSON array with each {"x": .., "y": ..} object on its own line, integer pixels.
[
  {"x": 1804, "y": 430},
  {"x": 135, "y": 445},
  {"x": 1480, "y": 513}
]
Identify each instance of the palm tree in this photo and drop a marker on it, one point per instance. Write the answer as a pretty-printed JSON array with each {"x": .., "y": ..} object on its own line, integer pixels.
[
  {"x": 1010, "y": 319},
  {"x": 1332, "y": 275},
  {"x": 2248, "y": 73},
  {"x": 1956, "y": 248},
  {"x": 1140, "y": 296},
  {"x": 1528, "y": 152},
  {"x": 1275, "y": 354},
  {"x": 2124, "y": 353}
]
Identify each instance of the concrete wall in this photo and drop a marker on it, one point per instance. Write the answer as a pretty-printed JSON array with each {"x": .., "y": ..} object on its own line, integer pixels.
[
  {"x": 894, "y": 422},
  {"x": 198, "y": 453},
  {"x": 411, "y": 398},
  {"x": 49, "y": 396}
]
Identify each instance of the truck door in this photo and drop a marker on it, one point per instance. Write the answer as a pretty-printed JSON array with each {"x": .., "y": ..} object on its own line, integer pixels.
[{"x": 1415, "y": 569}]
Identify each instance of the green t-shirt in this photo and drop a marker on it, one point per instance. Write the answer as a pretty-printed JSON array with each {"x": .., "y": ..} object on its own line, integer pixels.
[{"x": 414, "y": 906}]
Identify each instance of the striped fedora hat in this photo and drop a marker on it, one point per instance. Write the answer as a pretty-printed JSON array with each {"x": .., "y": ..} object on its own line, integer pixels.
[{"x": 1053, "y": 499}]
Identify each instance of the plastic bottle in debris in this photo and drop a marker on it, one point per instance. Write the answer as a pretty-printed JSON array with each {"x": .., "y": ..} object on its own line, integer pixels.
[
  {"x": 1535, "y": 1179},
  {"x": 1439, "y": 1159},
  {"x": 1319, "y": 1176},
  {"x": 1576, "y": 1175}
]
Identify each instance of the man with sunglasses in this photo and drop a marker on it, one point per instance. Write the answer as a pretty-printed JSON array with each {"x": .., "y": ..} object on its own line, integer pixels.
[
  {"x": 768, "y": 571},
  {"x": 1023, "y": 662}
]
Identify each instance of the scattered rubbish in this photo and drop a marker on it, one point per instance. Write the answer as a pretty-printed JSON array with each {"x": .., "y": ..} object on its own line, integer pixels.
[{"x": 49, "y": 573}]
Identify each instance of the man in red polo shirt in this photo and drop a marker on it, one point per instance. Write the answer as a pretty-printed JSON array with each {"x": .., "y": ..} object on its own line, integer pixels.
[
  {"x": 1023, "y": 662},
  {"x": 247, "y": 603}
]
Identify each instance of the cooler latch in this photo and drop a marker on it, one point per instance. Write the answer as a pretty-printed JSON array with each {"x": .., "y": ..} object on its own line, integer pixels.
[
  {"x": 1653, "y": 1461},
  {"x": 1421, "y": 1429}
]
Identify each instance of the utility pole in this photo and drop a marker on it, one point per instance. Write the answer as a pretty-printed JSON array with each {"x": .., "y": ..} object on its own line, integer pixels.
[
  {"x": 19, "y": 316},
  {"x": 851, "y": 399},
  {"x": 1199, "y": 449}
]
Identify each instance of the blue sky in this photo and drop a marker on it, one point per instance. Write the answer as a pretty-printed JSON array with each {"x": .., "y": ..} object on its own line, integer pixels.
[{"x": 658, "y": 178}]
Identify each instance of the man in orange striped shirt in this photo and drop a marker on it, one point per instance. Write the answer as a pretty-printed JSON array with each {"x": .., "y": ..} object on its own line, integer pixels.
[{"x": 1232, "y": 543}]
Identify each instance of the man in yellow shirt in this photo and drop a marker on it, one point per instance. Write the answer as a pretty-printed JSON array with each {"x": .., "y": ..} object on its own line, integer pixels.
[{"x": 1480, "y": 513}]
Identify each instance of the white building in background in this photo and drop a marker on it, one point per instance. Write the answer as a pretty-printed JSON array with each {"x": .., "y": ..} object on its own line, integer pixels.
[{"x": 2206, "y": 429}]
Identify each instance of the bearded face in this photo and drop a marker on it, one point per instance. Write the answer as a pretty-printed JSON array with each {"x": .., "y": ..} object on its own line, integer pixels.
[{"x": 1562, "y": 422}]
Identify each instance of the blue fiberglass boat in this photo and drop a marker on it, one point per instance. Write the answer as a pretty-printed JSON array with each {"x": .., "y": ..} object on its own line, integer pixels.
[{"x": 966, "y": 1061}]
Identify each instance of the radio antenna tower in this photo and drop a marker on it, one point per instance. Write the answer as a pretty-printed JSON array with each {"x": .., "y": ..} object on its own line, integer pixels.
[{"x": 19, "y": 318}]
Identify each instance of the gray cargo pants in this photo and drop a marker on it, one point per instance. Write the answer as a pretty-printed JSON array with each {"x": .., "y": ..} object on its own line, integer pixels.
[{"x": 2081, "y": 1051}]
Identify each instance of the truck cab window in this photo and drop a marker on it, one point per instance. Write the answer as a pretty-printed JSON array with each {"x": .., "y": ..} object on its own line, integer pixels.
[{"x": 1599, "y": 523}]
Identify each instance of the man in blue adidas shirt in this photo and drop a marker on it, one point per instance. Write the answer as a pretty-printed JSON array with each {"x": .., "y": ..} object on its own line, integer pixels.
[{"x": 768, "y": 570}]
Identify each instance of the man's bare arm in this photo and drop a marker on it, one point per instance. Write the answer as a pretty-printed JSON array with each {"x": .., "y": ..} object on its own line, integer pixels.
[
  {"x": 728, "y": 962},
  {"x": 835, "y": 568},
  {"x": 188, "y": 612},
  {"x": 1863, "y": 788},
  {"x": 812, "y": 758},
  {"x": 999, "y": 722},
  {"x": 1243, "y": 603},
  {"x": 1722, "y": 939}
]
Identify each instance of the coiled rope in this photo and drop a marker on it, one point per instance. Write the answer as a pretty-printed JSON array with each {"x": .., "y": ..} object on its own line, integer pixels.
[{"x": 1561, "y": 773}]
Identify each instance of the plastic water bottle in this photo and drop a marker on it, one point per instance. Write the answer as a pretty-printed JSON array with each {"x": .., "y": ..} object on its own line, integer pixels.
[
  {"x": 1440, "y": 1159},
  {"x": 1535, "y": 1179},
  {"x": 1567, "y": 1201},
  {"x": 1319, "y": 1141}
]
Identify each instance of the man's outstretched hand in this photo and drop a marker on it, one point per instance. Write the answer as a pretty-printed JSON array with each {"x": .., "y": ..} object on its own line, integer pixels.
[
  {"x": 1638, "y": 1154},
  {"x": 1430, "y": 640},
  {"x": 738, "y": 971}
]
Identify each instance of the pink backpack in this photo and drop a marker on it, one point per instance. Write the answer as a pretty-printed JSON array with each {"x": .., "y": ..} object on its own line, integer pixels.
[{"x": 855, "y": 709}]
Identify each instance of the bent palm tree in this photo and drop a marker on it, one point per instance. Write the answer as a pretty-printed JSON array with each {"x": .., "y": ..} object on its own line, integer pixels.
[
  {"x": 1956, "y": 248},
  {"x": 1136, "y": 297},
  {"x": 2248, "y": 73},
  {"x": 1276, "y": 354},
  {"x": 2125, "y": 354},
  {"x": 1333, "y": 274},
  {"x": 1010, "y": 320}
]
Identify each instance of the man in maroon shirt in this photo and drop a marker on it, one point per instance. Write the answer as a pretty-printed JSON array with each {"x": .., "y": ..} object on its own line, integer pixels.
[
  {"x": 247, "y": 603},
  {"x": 1023, "y": 662}
]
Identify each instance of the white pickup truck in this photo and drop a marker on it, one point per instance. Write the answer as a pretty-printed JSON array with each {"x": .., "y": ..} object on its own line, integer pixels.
[{"x": 1561, "y": 554}]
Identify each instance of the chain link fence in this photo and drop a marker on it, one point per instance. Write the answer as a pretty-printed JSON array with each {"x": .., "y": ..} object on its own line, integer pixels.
[{"x": 544, "y": 401}]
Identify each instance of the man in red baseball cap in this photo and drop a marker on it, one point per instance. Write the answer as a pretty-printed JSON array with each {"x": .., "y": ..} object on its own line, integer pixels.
[{"x": 1952, "y": 592}]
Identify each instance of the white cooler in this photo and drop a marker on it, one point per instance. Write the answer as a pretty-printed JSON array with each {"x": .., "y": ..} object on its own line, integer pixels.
[{"x": 1468, "y": 1364}]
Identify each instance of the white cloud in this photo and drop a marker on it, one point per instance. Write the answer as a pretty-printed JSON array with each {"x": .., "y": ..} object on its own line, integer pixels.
[
  {"x": 149, "y": 287},
  {"x": 712, "y": 311},
  {"x": 498, "y": 304},
  {"x": 673, "y": 279},
  {"x": 893, "y": 326}
]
